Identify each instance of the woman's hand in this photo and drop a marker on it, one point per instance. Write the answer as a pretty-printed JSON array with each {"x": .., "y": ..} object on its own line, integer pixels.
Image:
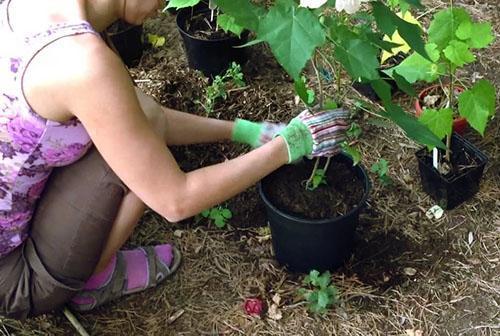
[
  {"x": 318, "y": 134},
  {"x": 255, "y": 134}
]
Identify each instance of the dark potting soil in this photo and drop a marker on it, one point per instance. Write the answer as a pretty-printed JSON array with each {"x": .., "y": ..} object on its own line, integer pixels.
[
  {"x": 342, "y": 193},
  {"x": 201, "y": 27}
]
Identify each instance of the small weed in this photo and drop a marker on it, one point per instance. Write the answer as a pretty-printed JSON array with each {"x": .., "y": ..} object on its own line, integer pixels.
[
  {"x": 218, "y": 215},
  {"x": 381, "y": 168},
  {"x": 319, "y": 292},
  {"x": 233, "y": 77}
]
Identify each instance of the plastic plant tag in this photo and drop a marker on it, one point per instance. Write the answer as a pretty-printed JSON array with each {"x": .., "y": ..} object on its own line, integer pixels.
[
  {"x": 435, "y": 158},
  {"x": 435, "y": 212}
]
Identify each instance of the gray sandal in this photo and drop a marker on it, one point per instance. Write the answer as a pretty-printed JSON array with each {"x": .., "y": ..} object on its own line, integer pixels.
[{"x": 117, "y": 286}]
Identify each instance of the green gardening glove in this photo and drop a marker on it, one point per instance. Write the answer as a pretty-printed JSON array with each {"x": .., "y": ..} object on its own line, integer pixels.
[
  {"x": 318, "y": 134},
  {"x": 253, "y": 133}
]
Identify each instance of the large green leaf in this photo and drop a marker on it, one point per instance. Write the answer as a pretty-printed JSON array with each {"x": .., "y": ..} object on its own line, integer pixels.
[
  {"x": 445, "y": 24},
  {"x": 383, "y": 90},
  {"x": 389, "y": 22},
  {"x": 182, "y": 3},
  {"x": 404, "y": 85},
  {"x": 477, "y": 35},
  {"x": 438, "y": 121},
  {"x": 244, "y": 12},
  {"x": 359, "y": 58},
  {"x": 415, "y": 67},
  {"x": 477, "y": 104},
  {"x": 458, "y": 53},
  {"x": 412, "y": 127},
  {"x": 293, "y": 34}
]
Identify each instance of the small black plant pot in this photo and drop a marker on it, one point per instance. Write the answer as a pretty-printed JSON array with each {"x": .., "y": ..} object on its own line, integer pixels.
[
  {"x": 214, "y": 55},
  {"x": 303, "y": 244},
  {"x": 462, "y": 182},
  {"x": 128, "y": 41}
]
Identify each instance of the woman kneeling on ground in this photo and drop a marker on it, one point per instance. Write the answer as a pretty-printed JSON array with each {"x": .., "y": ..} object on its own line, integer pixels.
[{"x": 84, "y": 152}]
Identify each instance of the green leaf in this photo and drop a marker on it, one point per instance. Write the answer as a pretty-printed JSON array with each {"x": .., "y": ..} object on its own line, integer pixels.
[
  {"x": 354, "y": 131},
  {"x": 476, "y": 35},
  {"x": 325, "y": 279},
  {"x": 182, "y": 3},
  {"x": 458, "y": 53},
  {"x": 481, "y": 36},
  {"x": 389, "y": 22},
  {"x": 220, "y": 222},
  {"x": 244, "y": 12},
  {"x": 205, "y": 213},
  {"x": 414, "y": 3},
  {"x": 359, "y": 58},
  {"x": 477, "y": 104},
  {"x": 444, "y": 25},
  {"x": 412, "y": 127},
  {"x": 404, "y": 85},
  {"x": 440, "y": 122},
  {"x": 156, "y": 41},
  {"x": 415, "y": 67},
  {"x": 352, "y": 152},
  {"x": 330, "y": 105},
  {"x": 383, "y": 89},
  {"x": 228, "y": 24},
  {"x": 226, "y": 213},
  {"x": 323, "y": 298},
  {"x": 301, "y": 90},
  {"x": 376, "y": 40},
  {"x": 293, "y": 34}
]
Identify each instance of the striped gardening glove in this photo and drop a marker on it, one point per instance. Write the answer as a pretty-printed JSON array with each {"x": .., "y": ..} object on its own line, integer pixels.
[
  {"x": 318, "y": 134},
  {"x": 254, "y": 134}
]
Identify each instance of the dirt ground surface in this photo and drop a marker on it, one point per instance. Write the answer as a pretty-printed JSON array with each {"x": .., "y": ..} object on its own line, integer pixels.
[{"x": 409, "y": 275}]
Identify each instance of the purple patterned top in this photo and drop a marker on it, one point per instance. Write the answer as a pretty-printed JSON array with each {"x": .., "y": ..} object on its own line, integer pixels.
[{"x": 30, "y": 146}]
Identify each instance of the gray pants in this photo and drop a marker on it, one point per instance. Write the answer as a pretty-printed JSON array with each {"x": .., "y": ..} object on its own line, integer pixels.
[{"x": 70, "y": 226}]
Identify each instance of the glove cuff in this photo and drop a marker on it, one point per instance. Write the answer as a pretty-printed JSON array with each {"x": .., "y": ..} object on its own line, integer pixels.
[
  {"x": 246, "y": 132},
  {"x": 298, "y": 139}
]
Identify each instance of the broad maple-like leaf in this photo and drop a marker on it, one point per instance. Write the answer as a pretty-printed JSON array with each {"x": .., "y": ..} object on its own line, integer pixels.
[{"x": 293, "y": 34}]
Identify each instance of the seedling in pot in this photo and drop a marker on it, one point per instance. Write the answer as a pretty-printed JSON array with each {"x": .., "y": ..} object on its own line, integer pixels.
[
  {"x": 318, "y": 291},
  {"x": 218, "y": 215},
  {"x": 452, "y": 38},
  {"x": 232, "y": 78}
]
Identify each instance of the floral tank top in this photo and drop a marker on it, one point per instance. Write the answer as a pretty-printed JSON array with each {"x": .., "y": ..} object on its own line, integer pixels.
[{"x": 30, "y": 146}]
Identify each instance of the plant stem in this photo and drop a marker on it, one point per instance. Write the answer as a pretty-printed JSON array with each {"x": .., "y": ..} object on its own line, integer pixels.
[
  {"x": 320, "y": 85},
  {"x": 310, "y": 179},
  {"x": 450, "y": 99}
]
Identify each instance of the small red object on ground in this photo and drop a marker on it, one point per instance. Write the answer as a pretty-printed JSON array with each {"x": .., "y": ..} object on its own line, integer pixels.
[{"x": 254, "y": 306}]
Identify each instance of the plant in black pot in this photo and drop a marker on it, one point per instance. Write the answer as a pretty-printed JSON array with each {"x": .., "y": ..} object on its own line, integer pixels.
[
  {"x": 452, "y": 176},
  {"x": 313, "y": 207},
  {"x": 128, "y": 41},
  {"x": 212, "y": 39}
]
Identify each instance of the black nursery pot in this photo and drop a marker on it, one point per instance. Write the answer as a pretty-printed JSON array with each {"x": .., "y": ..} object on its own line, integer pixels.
[
  {"x": 451, "y": 190},
  {"x": 303, "y": 244},
  {"x": 214, "y": 56},
  {"x": 128, "y": 41}
]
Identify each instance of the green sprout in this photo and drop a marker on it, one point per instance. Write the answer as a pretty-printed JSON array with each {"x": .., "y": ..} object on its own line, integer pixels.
[
  {"x": 319, "y": 292},
  {"x": 218, "y": 215},
  {"x": 233, "y": 77},
  {"x": 381, "y": 168}
]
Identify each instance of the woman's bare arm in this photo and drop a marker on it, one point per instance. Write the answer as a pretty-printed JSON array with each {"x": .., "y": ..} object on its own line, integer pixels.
[{"x": 101, "y": 95}]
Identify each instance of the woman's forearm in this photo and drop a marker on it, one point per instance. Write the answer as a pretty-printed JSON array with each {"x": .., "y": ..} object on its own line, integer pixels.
[{"x": 185, "y": 128}]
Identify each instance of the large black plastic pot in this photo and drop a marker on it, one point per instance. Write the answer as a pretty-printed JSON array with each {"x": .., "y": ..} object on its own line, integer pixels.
[
  {"x": 451, "y": 190},
  {"x": 214, "y": 56},
  {"x": 128, "y": 41},
  {"x": 302, "y": 244}
]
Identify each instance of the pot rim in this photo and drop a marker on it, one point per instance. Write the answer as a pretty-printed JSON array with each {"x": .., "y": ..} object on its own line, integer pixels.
[
  {"x": 181, "y": 12},
  {"x": 361, "y": 203}
]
